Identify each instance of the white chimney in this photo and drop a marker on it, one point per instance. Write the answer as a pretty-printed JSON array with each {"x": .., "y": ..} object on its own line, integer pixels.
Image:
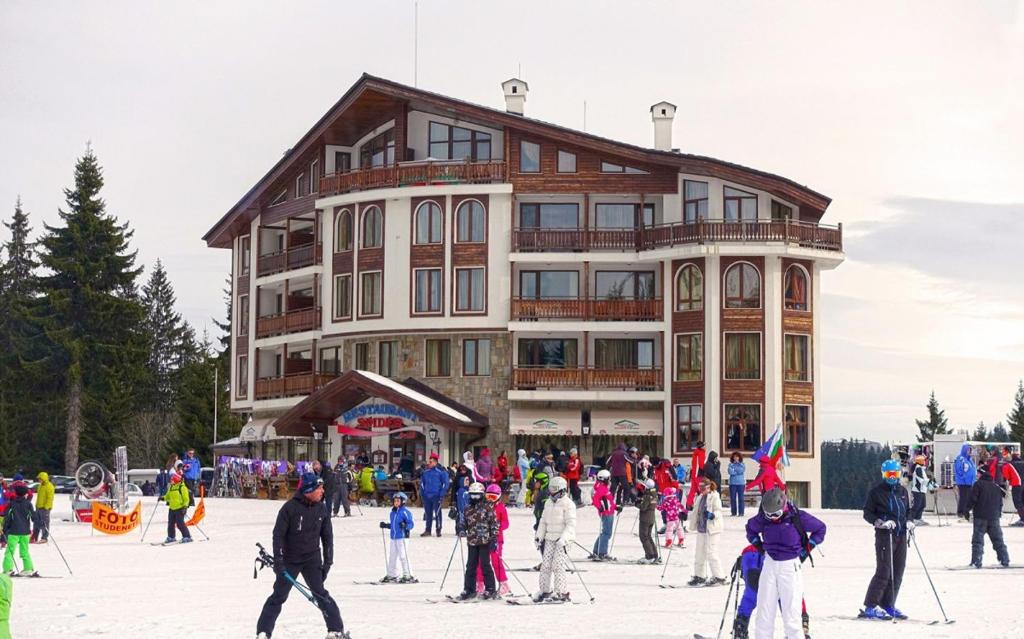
[
  {"x": 662, "y": 115},
  {"x": 515, "y": 95}
]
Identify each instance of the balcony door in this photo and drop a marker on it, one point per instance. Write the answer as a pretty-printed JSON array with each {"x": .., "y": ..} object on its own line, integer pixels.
[
  {"x": 549, "y": 285},
  {"x": 623, "y": 354},
  {"x": 624, "y": 285},
  {"x": 549, "y": 216},
  {"x": 548, "y": 353}
]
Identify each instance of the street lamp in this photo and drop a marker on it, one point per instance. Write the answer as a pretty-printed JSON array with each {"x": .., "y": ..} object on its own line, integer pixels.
[{"x": 435, "y": 441}]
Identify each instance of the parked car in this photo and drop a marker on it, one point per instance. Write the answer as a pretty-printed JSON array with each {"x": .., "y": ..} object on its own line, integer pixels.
[
  {"x": 63, "y": 484},
  {"x": 206, "y": 477}
]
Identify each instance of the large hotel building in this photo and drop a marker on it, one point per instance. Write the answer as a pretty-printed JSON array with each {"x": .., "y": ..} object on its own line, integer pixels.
[{"x": 419, "y": 273}]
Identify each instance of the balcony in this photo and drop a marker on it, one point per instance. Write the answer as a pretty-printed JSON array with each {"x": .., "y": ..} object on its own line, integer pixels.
[
  {"x": 304, "y": 319},
  {"x": 294, "y": 385},
  {"x": 601, "y": 310},
  {"x": 587, "y": 378},
  {"x": 294, "y": 258},
  {"x": 420, "y": 173},
  {"x": 804, "y": 234}
]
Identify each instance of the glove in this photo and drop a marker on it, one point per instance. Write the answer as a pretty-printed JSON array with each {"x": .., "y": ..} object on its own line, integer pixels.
[
  {"x": 711, "y": 516},
  {"x": 493, "y": 546},
  {"x": 324, "y": 570},
  {"x": 385, "y": 524},
  {"x": 618, "y": 508},
  {"x": 560, "y": 543},
  {"x": 910, "y": 526},
  {"x": 539, "y": 544},
  {"x": 403, "y": 525},
  {"x": 757, "y": 543},
  {"x": 885, "y": 525}
]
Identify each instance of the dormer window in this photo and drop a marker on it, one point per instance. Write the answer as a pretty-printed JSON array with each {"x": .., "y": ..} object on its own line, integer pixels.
[{"x": 611, "y": 167}]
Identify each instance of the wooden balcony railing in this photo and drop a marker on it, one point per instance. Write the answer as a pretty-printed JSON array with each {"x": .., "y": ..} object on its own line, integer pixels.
[
  {"x": 584, "y": 378},
  {"x": 604, "y": 310},
  {"x": 291, "y": 385},
  {"x": 303, "y": 319},
  {"x": 805, "y": 234},
  {"x": 294, "y": 258},
  {"x": 419, "y": 173}
]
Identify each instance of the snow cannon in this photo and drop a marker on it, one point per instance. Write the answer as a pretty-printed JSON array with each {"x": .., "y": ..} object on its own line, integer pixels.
[{"x": 93, "y": 479}]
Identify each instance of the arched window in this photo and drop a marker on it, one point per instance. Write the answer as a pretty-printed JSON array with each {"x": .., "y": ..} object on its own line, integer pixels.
[
  {"x": 742, "y": 286},
  {"x": 428, "y": 223},
  {"x": 343, "y": 231},
  {"x": 689, "y": 289},
  {"x": 796, "y": 289},
  {"x": 373, "y": 228},
  {"x": 471, "y": 222}
]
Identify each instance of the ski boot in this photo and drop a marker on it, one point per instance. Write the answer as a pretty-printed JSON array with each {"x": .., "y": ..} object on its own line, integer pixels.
[
  {"x": 186, "y": 540},
  {"x": 562, "y": 596},
  {"x": 28, "y": 573},
  {"x": 696, "y": 581},
  {"x": 739, "y": 627},
  {"x": 466, "y": 595},
  {"x": 540, "y": 596},
  {"x": 490, "y": 594},
  {"x": 338, "y": 635},
  {"x": 388, "y": 579},
  {"x": 895, "y": 613},
  {"x": 715, "y": 581},
  {"x": 426, "y": 533},
  {"x": 408, "y": 579},
  {"x": 263, "y": 635},
  {"x": 170, "y": 540},
  {"x": 875, "y": 612}
]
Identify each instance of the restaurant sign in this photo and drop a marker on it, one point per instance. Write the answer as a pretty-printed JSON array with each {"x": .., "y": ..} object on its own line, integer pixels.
[{"x": 378, "y": 417}]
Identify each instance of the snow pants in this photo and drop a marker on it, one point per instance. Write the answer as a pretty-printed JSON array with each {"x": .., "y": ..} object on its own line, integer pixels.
[
  {"x": 432, "y": 512},
  {"x": 619, "y": 488},
  {"x": 478, "y": 557},
  {"x": 553, "y": 564},
  {"x": 736, "y": 500},
  {"x": 18, "y": 543},
  {"x": 176, "y": 520},
  {"x": 497, "y": 565},
  {"x": 605, "y": 537},
  {"x": 341, "y": 500},
  {"x": 707, "y": 554},
  {"x": 41, "y": 529},
  {"x": 674, "y": 528},
  {"x": 963, "y": 499},
  {"x": 312, "y": 574},
  {"x": 6, "y": 595},
  {"x": 885, "y": 584},
  {"x": 917, "y": 506},
  {"x": 398, "y": 551},
  {"x": 780, "y": 588},
  {"x": 1018, "y": 499},
  {"x": 647, "y": 539},
  {"x": 981, "y": 527},
  {"x": 574, "y": 490}
]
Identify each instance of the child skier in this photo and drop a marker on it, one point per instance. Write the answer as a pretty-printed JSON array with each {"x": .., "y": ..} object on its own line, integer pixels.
[
  {"x": 918, "y": 489},
  {"x": 482, "y": 541},
  {"x": 493, "y": 495},
  {"x": 706, "y": 521},
  {"x": 671, "y": 508},
  {"x": 555, "y": 531},
  {"x": 786, "y": 534},
  {"x": 400, "y": 523},
  {"x": 604, "y": 502},
  {"x": 887, "y": 508},
  {"x": 17, "y": 528},
  {"x": 461, "y": 502},
  {"x": 987, "y": 503},
  {"x": 648, "y": 505},
  {"x": 750, "y": 562},
  {"x": 177, "y": 504}
]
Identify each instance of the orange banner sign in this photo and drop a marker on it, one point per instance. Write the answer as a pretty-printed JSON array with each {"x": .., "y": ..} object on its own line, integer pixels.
[
  {"x": 108, "y": 521},
  {"x": 198, "y": 513}
]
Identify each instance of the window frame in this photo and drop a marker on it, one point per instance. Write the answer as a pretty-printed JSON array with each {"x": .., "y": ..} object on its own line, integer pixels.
[
  {"x": 523, "y": 155},
  {"x": 635, "y": 277},
  {"x": 335, "y": 298},
  {"x": 338, "y": 217},
  {"x": 445, "y": 362},
  {"x": 314, "y": 176},
  {"x": 244, "y": 246},
  {"x": 301, "y": 183},
  {"x": 807, "y": 289},
  {"x": 676, "y": 448},
  {"x": 242, "y": 377},
  {"x": 558, "y": 162},
  {"x": 475, "y": 140},
  {"x": 476, "y": 341},
  {"x": 725, "y": 356},
  {"x": 362, "y": 293},
  {"x": 534, "y": 344},
  {"x": 368, "y": 149},
  {"x": 747, "y": 195},
  {"x": 539, "y": 210},
  {"x": 675, "y": 357},
  {"x": 787, "y": 214},
  {"x": 458, "y": 227},
  {"x": 243, "y": 317},
  {"x": 809, "y": 374},
  {"x": 432, "y": 207},
  {"x": 612, "y": 167},
  {"x": 379, "y": 235},
  {"x": 392, "y": 358},
  {"x": 695, "y": 306},
  {"x": 364, "y": 356},
  {"x": 456, "y": 310},
  {"x": 726, "y": 426},
  {"x": 808, "y": 425},
  {"x": 416, "y": 288},
  {"x": 338, "y": 358},
  {"x": 696, "y": 202},
  {"x": 725, "y": 286},
  {"x": 536, "y": 274}
]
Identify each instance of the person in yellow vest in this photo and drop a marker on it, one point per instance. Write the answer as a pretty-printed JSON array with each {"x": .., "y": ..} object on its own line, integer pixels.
[
  {"x": 44, "y": 504},
  {"x": 6, "y": 596},
  {"x": 177, "y": 504},
  {"x": 366, "y": 486}
]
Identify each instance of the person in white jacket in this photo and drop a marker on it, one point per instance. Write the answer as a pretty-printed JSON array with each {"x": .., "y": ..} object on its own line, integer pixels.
[
  {"x": 556, "y": 530},
  {"x": 706, "y": 521}
]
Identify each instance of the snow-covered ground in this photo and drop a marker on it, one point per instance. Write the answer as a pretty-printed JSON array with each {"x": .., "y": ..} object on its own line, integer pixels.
[{"x": 123, "y": 588}]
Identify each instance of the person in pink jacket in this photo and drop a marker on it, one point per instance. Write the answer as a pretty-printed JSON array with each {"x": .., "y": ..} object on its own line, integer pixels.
[
  {"x": 767, "y": 477},
  {"x": 493, "y": 495},
  {"x": 672, "y": 508},
  {"x": 604, "y": 502}
]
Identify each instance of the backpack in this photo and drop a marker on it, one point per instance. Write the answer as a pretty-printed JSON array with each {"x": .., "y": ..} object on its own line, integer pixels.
[{"x": 794, "y": 518}]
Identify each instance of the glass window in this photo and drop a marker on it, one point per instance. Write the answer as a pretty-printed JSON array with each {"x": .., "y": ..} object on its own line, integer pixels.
[
  {"x": 628, "y": 285},
  {"x": 372, "y": 295},
  {"x": 244, "y": 255},
  {"x": 428, "y": 291},
  {"x": 343, "y": 231},
  {"x": 529, "y": 157},
  {"x": 342, "y": 161},
  {"x": 742, "y": 356},
  {"x": 620, "y": 354},
  {"x": 476, "y": 357},
  {"x": 689, "y": 357},
  {"x": 647, "y": 215},
  {"x": 438, "y": 357},
  {"x": 798, "y": 428},
  {"x": 549, "y": 216},
  {"x": 740, "y": 206},
  {"x": 314, "y": 176},
  {"x": 373, "y": 228},
  {"x": 695, "y": 203},
  {"x": 742, "y": 427},
  {"x": 428, "y": 223},
  {"x": 380, "y": 151},
  {"x": 566, "y": 162},
  {"x": 549, "y": 284},
  {"x": 243, "y": 376},
  {"x": 798, "y": 358},
  {"x": 471, "y": 222},
  {"x": 781, "y": 212},
  {"x": 301, "y": 185},
  {"x": 742, "y": 286},
  {"x": 342, "y": 296},
  {"x": 243, "y": 315},
  {"x": 387, "y": 359},
  {"x": 615, "y": 216},
  {"x": 608, "y": 167},
  {"x": 796, "y": 289},
  {"x": 689, "y": 289},
  {"x": 361, "y": 357},
  {"x": 469, "y": 289},
  {"x": 689, "y": 427},
  {"x": 548, "y": 353},
  {"x": 330, "y": 360},
  {"x": 458, "y": 143}
]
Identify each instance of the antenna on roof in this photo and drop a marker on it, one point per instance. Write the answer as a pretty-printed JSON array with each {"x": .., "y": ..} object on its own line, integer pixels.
[{"x": 415, "y": 43}]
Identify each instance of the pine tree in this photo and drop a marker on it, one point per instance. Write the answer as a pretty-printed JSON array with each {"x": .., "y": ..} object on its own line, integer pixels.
[
  {"x": 93, "y": 317},
  {"x": 980, "y": 433},
  {"x": 999, "y": 433},
  {"x": 166, "y": 334},
  {"x": 936, "y": 424},
  {"x": 1015, "y": 419}
]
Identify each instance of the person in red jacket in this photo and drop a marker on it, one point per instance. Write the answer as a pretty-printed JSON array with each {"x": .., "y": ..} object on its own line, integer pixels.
[
  {"x": 573, "y": 468},
  {"x": 696, "y": 472},
  {"x": 665, "y": 476},
  {"x": 501, "y": 472},
  {"x": 767, "y": 477},
  {"x": 1003, "y": 473}
]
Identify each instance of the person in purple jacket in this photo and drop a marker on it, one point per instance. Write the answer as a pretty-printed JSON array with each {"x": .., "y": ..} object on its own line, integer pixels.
[{"x": 786, "y": 534}]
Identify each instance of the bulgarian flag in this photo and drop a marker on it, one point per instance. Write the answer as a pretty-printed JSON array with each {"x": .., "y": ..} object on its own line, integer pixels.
[{"x": 774, "y": 448}]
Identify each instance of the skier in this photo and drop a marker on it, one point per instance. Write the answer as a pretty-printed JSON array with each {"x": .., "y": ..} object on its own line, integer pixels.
[
  {"x": 366, "y": 481},
  {"x": 737, "y": 481},
  {"x": 493, "y": 495},
  {"x": 887, "y": 508},
  {"x": 461, "y": 502},
  {"x": 302, "y": 526},
  {"x": 918, "y": 489},
  {"x": 672, "y": 510},
  {"x": 616, "y": 465},
  {"x": 343, "y": 480},
  {"x": 573, "y": 469},
  {"x": 481, "y": 540},
  {"x": 555, "y": 531},
  {"x": 706, "y": 521},
  {"x": 696, "y": 472},
  {"x": 786, "y": 534},
  {"x": 467, "y": 461},
  {"x": 1018, "y": 491},
  {"x": 177, "y": 498},
  {"x": 433, "y": 487},
  {"x": 540, "y": 494},
  {"x": 751, "y": 560},
  {"x": 16, "y": 528},
  {"x": 713, "y": 469},
  {"x": 965, "y": 473},
  {"x": 523, "y": 464},
  {"x": 987, "y": 503},
  {"x": 400, "y": 523},
  {"x": 648, "y": 505},
  {"x": 330, "y": 485},
  {"x": 767, "y": 476},
  {"x": 44, "y": 504},
  {"x": 604, "y": 502}
]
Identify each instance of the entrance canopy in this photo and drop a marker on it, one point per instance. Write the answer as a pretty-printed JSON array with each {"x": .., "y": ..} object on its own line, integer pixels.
[{"x": 354, "y": 387}]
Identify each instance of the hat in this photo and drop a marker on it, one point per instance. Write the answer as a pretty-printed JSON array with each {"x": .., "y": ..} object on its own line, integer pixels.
[
  {"x": 494, "y": 489},
  {"x": 434, "y": 456},
  {"x": 18, "y": 477},
  {"x": 20, "y": 490},
  {"x": 310, "y": 482},
  {"x": 175, "y": 478}
]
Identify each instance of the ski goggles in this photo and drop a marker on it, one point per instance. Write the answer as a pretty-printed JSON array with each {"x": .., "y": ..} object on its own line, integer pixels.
[
  {"x": 891, "y": 474},
  {"x": 775, "y": 515},
  {"x": 492, "y": 497}
]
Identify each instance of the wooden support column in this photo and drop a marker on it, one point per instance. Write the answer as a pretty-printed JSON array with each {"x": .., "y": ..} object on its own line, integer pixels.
[
  {"x": 586, "y": 221},
  {"x": 587, "y": 305},
  {"x": 586, "y": 359}
]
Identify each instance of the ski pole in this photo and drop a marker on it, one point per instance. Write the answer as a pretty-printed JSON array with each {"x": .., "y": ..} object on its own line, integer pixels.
[
  {"x": 913, "y": 538},
  {"x": 384, "y": 543},
  {"x": 615, "y": 529},
  {"x": 202, "y": 532},
  {"x": 578, "y": 574},
  {"x": 725, "y": 611},
  {"x": 54, "y": 540},
  {"x": 155, "y": 507},
  {"x": 450, "y": 559},
  {"x": 405, "y": 553},
  {"x": 892, "y": 568},
  {"x": 667, "y": 560},
  {"x": 509, "y": 571}
]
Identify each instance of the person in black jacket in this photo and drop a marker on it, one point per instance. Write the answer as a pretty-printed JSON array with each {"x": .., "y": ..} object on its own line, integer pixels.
[
  {"x": 1018, "y": 491},
  {"x": 713, "y": 470},
  {"x": 330, "y": 485},
  {"x": 987, "y": 503},
  {"x": 303, "y": 524},
  {"x": 16, "y": 529},
  {"x": 886, "y": 508}
]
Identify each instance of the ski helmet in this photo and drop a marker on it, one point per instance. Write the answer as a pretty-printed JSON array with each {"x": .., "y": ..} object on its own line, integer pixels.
[
  {"x": 604, "y": 475},
  {"x": 773, "y": 503},
  {"x": 556, "y": 488},
  {"x": 476, "y": 488},
  {"x": 400, "y": 496},
  {"x": 921, "y": 460},
  {"x": 891, "y": 471},
  {"x": 649, "y": 484},
  {"x": 493, "y": 492}
]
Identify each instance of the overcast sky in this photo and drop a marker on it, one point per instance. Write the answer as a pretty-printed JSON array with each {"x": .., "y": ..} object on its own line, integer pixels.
[{"x": 909, "y": 115}]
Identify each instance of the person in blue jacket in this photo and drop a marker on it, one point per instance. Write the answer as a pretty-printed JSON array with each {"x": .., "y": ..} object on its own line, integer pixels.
[
  {"x": 965, "y": 473},
  {"x": 737, "y": 483},
  {"x": 400, "y": 523},
  {"x": 461, "y": 502},
  {"x": 193, "y": 470},
  {"x": 433, "y": 487}
]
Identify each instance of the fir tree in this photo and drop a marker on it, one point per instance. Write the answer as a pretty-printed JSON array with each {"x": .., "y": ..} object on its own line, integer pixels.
[
  {"x": 999, "y": 433},
  {"x": 980, "y": 433},
  {"x": 1015, "y": 419},
  {"x": 93, "y": 317},
  {"x": 166, "y": 333},
  {"x": 936, "y": 424}
]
